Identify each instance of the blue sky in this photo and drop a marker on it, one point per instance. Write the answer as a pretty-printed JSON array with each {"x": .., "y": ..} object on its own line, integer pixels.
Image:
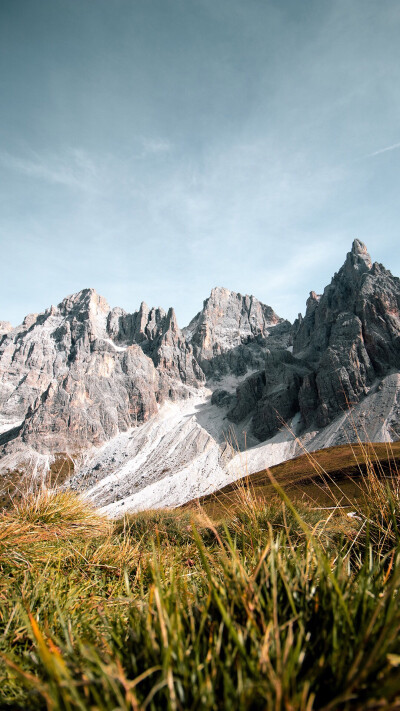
[{"x": 153, "y": 149}]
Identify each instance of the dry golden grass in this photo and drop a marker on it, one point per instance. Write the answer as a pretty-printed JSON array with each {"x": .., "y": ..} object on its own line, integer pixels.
[
  {"x": 269, "y": 605},
  {"x": 322, "y": 478}
]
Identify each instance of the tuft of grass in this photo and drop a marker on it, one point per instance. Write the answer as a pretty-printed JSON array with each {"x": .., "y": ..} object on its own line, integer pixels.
[
  {"x": 165, "y": 526},
  {"x": 55, "y": 508},
  {"x": 36, "y": 525}
]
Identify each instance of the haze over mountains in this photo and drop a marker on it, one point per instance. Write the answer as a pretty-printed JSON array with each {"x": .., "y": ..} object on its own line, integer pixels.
[{"x": 147, "y": 410}]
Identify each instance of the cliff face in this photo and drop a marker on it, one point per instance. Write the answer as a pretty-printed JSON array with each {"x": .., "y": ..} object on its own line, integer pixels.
[
  {"x": 348, "y": 339},
  {"x": 81, "y": 372},
  {"x": 231, "y": 332},
  {"x": 350, "y": 335}
]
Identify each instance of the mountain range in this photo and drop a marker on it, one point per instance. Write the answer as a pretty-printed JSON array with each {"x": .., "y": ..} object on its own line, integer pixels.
[{"x": 152, "y": 415}]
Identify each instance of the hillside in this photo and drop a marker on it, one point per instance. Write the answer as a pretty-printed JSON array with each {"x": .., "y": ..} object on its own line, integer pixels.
[
  {"x": 323, "y": 478},
  {"x": 271, "y": 607}
]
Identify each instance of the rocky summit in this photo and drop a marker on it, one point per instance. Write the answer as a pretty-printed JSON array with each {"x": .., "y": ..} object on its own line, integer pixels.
[{"x": 152, "y": 415}]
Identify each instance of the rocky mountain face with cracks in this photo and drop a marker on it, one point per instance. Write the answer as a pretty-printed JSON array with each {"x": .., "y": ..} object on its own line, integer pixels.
[
  {"x": 147, "y": 409},
  {"x": 350, "y": 335},
  {"x": 348, "y": 339},
  {"x": 81, "y": 372},
  {"x": 231, "y": 332}
]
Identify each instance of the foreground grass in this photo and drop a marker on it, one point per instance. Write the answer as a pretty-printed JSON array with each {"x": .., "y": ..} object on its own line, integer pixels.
[{"x": 272, "y": 608}]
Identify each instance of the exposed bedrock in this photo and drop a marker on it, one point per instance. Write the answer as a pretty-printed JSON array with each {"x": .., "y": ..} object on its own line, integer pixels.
[
  {"x": 271, "y": 395},
  {"x": 5, "y": 327},
  {"x": 80, "y": 373},
  {"x": 350, "y": 335},
  {"x": 231, "y": 333},
  {"x": 349, "y": 338},
  {"x": 159, "y": 337}
]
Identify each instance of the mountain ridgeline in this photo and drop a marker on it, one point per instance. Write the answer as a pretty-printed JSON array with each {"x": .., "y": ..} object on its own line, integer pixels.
[{"x": 80, "y": 374}]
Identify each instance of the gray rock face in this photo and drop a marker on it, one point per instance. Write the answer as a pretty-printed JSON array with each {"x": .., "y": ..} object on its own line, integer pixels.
[
  {"x": 160, "y": 339},
  {"x": 271, "y": 395},
  {"x": 5, "y": 327},
  {"x": 223, "y": 398},
  {"x": 232, "y": 331},
  {"x": 349, "y": 338},
  {"x": 80, "y": 373},
  {"x": 350, "y": 335}
]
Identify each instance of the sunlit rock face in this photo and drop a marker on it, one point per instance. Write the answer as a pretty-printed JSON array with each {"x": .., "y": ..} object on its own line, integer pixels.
[
  {"x": 231, "y": 333},
  {"x": 5, "y": 327},
  {"x": 80, "y": 373}
]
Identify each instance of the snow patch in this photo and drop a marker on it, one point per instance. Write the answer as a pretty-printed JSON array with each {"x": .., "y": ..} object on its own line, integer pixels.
[
  {"x": 6, "y": 426},
  {"x": 119, "y": 349}
]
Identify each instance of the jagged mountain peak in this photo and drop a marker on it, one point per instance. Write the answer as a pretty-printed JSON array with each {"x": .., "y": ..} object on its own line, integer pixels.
[
  {"x": 358, "y": 258},
  {"x": 221, "y": 333},
  {"x": 85, "y": 300},
  {"x": 151, "y": 311},
  {"x": 172, "y": 321},
  {"x": 217, "y": 291},
  {"x": 360, "y": 248},
  {"x": 81, "y": 373},
  {"x": 220, "y": 296},
  {"x": 351, "y": 335}
]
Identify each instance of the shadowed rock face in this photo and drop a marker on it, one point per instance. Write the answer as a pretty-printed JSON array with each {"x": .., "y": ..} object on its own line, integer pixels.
[
  {"x": 232, "y": 331},
  {"x": 350, "y": 335},
  {"x": 349, "y": 338},
  {"x": 271, "y": 395}
]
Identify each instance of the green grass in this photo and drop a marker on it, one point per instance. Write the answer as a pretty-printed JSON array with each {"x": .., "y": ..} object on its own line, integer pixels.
[{"x": 269, "y": 607}]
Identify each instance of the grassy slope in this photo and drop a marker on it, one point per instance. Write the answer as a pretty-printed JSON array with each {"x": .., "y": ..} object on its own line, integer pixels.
[
  {"x": 272, "y": 608},
  {"x": 322, "y": 477}
]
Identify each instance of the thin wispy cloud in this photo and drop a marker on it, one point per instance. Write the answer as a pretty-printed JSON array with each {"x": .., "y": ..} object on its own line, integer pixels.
[
  {"x": 384, "y": 150},
  {"x": 73, "y": 168}
]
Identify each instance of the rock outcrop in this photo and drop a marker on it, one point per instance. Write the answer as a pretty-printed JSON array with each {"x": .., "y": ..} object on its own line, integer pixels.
[
  {"x": 271, "y": 395},
  {"x": 231, "y": 332},
  {"x": 5, "y": 327},
  {"x": 348, "y": 338},
  {"x": 80, "y": 373},
  {"x": 159, "y": 336},
  {"x": 350, "y": 335}
]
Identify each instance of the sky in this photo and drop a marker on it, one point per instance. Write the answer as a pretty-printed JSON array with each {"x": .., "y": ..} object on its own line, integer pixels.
[{"x": 154, "y": 149}]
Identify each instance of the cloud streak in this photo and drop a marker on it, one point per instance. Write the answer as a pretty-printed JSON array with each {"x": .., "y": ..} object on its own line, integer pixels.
[
  {"x": 73, "y": 168},
  {"x": 384, "y": 150}
]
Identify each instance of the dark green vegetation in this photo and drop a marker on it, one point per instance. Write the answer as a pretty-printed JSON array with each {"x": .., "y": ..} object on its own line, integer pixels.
[{"x": 269, "y": 607}]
